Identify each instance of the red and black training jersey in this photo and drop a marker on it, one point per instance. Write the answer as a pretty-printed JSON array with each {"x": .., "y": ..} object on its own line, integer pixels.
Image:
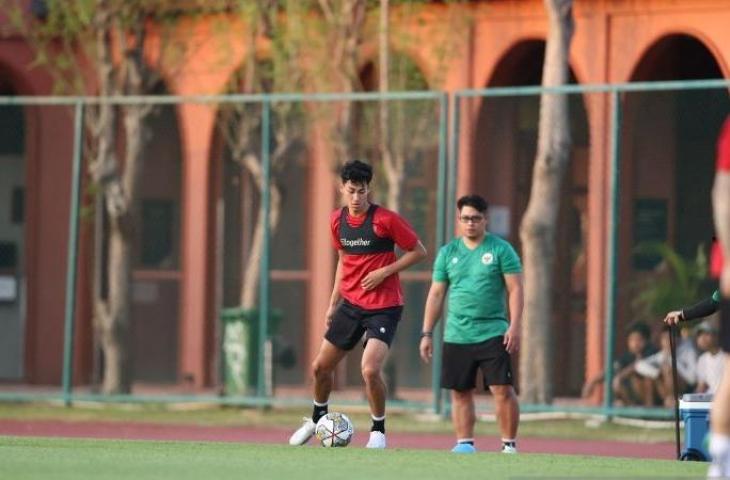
[{"x": 367, "y": 243}]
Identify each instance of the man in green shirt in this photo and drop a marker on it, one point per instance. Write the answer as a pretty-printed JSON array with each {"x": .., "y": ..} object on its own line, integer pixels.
[{"x": 483, "y": 276}]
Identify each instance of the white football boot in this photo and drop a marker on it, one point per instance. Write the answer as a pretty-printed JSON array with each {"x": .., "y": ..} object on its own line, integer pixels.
[
  {"x": 303, "y": 433},
  {"x": 377, "y": 440},
  {"x": 509, "y": 449}
]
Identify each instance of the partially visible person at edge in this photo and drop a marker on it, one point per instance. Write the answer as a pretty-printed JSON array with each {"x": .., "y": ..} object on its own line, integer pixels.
[
  {"x": 366, "y": 299},
  {"x": 720, "y": 414},
  {"x": 483, "y": 276}
]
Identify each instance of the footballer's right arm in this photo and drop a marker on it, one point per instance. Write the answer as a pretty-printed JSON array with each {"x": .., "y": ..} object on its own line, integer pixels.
[{"x": 335, "y": 297}]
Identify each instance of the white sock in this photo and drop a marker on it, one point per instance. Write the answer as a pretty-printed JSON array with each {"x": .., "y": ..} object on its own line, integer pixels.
[
  {"x": 720, "y": 451},
  {"x": 317, "y": 404}
]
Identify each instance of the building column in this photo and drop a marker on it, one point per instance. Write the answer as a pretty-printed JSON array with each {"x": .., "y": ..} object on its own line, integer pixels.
[
  {"x": 196, "y": 128},
  {"x": 598, "y": 107},
  {"x": 321, "y": 255}
]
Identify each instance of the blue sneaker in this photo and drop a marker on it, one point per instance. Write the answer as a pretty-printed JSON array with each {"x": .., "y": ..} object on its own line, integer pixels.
[{"x": 463, "y": 448}]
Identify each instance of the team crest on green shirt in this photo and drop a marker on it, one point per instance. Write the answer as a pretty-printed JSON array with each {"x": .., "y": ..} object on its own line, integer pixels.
[{"x": 487, "y": 258}]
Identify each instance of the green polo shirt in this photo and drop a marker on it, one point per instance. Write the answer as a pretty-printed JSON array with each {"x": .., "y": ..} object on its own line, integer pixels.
[{"x": 477, "y": 293}]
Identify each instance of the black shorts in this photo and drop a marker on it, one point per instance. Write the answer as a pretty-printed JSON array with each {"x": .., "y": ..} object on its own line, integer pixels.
[
  {"x": 350, "y": 322},
  {"x": 724, "y": 334},
  {"x": 462, "y": 360}
]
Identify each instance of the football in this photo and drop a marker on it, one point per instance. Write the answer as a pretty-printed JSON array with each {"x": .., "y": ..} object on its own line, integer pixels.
[{"x": 334, "y": 430}]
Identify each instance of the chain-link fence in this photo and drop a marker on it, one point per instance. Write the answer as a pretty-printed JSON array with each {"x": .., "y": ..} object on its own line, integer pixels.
[{"x": 178, "y": 288}]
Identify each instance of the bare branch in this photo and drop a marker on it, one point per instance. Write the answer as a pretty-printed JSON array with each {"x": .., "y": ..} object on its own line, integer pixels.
[
  {"x": 252, "y": 163},
  {"x": 328, "y": 12}
]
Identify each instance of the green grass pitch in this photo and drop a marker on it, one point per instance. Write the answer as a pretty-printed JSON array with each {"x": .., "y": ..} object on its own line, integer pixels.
[{"x": 43, "y": 458}]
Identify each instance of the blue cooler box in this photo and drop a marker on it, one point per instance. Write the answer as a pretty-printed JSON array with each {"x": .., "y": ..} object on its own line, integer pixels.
[{"x": 694, "y": 410}]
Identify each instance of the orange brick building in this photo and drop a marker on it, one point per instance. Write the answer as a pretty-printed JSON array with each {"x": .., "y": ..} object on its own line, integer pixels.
[{"x": 667, "y": 148}]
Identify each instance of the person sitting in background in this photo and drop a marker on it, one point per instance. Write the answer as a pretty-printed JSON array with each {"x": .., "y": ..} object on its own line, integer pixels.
[
  {"x": 711, "y": 364},
  {"x": 720, "y": 417},
  {"x": 626, "y": 385},
  {"x": 656, "y": 371}
]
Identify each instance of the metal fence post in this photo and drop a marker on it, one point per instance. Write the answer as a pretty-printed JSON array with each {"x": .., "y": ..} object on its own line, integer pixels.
[
  {"x": 440, "y": 240},
  {"x": 72, "y": 255},
  {"x": 261, "y": 384},
  {"x": 453, "y": 165},
  {"x": 612, "y": 250},
  {"x": 450, "y": 206}
]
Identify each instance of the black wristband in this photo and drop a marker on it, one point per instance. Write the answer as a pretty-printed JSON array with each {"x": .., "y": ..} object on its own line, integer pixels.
[{"x": 426, "y": 334}]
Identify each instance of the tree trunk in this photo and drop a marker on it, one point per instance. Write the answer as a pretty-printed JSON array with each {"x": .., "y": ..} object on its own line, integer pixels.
[
  {"x": 123, "y": 207},
  {"x": 115, "y": 320},
  {"x": 537, "y": 231},
  {"x": 383, "y": 87},
  {"x": 346, "y": 20},
  {"x": 393, "y": 200},
  {"x": 112, "y": 313},
  {"x": 252, "y": 264},
  {"x": 241, "y": 124},
  {"x": 121, "y": 192},
  {"x": 393, "y": 164}
]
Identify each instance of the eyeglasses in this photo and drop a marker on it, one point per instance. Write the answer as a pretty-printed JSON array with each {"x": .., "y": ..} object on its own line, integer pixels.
[{"x": 471, "y": 219}]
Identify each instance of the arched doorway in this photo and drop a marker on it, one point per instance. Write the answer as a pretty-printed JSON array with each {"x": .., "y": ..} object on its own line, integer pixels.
[
  {"x": 668, "y": 158},
  {"x": 157, "y": 269},
  {"x": 12, "y": 237},
  {"x": 237, "y": 190},
  {"x": 504, "y": 149}
]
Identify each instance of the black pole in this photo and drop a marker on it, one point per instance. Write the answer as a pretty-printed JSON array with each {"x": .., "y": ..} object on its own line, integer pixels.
[{"x": 673, "y": 349}]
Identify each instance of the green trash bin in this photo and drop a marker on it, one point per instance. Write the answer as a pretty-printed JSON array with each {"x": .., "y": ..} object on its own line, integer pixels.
[{"x": 240, "y": 349}]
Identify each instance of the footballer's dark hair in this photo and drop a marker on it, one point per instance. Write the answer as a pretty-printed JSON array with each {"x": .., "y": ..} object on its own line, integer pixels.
[
  {"x": 475, "y": 201},
  {"x": 356, "y": 172}
]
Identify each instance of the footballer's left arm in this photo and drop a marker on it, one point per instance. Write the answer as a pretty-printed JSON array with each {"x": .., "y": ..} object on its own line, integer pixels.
[
  {"x": 398, "y": 229},
  {"x": 409, "y": 258},
  {"x": 376, "y": 277}
]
